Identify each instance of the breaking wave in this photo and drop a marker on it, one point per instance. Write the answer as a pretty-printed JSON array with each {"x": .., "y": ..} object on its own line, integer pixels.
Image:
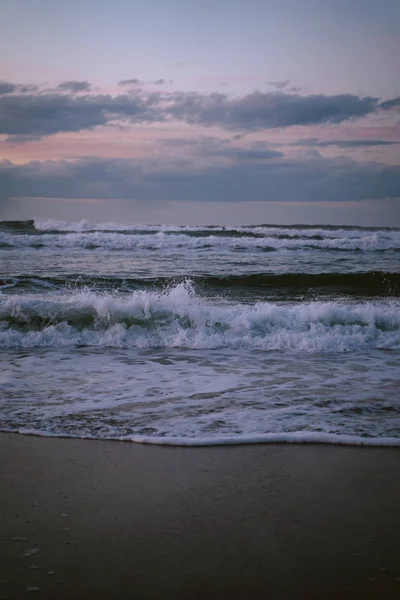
[
  {"x": 83, "y": 235},
  {"x": 180, "y": 318}
]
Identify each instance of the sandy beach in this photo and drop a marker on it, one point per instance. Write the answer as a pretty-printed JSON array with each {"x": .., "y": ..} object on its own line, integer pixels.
[{"x": 111, "y": 520}]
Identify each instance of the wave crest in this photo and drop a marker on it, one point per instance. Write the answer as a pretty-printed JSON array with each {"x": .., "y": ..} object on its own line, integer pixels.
[{"x": 178, "y": 317}]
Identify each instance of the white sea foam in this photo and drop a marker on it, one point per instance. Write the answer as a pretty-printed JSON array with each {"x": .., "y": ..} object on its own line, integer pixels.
[
  {"x": 179, "y": 317},
  {"x": 197, "y": 397},
  {"x": 299, "y": 437},
  {"x": 112, "y": 236},
  {"x": 84, "y": 225},
  {"x": 161, "y": 240}
]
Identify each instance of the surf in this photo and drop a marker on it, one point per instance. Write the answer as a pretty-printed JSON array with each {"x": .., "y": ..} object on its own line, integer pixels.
[{"x": 180, "y": 317}]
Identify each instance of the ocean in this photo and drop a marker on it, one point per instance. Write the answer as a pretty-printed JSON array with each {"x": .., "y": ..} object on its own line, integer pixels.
[{"x": 200, "y": 335}]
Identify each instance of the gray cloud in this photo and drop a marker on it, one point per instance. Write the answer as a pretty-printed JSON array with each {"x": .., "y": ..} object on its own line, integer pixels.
[
  {"x": 207, "y": 146},
  {"x": 283, "y": 85},
  {"x": 280, "y": 85},
  {"x": 316, "y": 179},
  {"x": 48, "y": 112},
  {"x": 255, "y": 152},
  {"x": 260, "y": 110},
  {"x": 130, "y": 82},
  {"x": 315, "y": 143},
  {"x": 28, "y": 88},
  {"x": 74, "y": 86},
  {"x": 136, "y": 82},
  {"x": 7, "y": 88},
  {"x": 393, "y": 103}
]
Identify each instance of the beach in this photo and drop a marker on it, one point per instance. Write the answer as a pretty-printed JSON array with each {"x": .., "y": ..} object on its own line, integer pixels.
[{"x": 110, "y": 520}]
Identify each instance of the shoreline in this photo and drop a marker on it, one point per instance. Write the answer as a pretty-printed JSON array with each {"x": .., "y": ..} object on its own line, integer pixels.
[
  {"x": 274, "y": 439},
  {"x": 111, "y": 520}
]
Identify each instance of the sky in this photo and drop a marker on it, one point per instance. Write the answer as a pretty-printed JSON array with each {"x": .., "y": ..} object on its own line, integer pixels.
[{"x": 201, "y": 111}]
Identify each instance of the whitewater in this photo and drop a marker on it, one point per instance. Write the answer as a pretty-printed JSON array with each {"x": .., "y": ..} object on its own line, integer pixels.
[{"x": 200, "y": 335}]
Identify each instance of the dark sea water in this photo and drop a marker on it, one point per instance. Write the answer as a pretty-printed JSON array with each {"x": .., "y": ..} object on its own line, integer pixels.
[{"x": 199, "y": 335}]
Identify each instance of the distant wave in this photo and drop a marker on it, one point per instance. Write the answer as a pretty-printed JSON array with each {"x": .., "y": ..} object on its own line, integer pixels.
[
  {"x": 179, "y": 318},
  {"x": 18, "y": 226},
  {"x": 365, "y": 241},
  {"x": 84, "y": 225}
]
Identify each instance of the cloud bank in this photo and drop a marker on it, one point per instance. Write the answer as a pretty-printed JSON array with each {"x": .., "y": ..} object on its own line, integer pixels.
[
  {"x": 28, "y": 111},
  {"x": 74, "y": 86},
  {"x": 344, "y": 144},
  {"x": 272, "y": 179}
]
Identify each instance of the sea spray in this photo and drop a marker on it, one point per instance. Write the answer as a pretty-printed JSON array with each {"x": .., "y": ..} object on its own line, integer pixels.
[{"x": 178, "y": 317}]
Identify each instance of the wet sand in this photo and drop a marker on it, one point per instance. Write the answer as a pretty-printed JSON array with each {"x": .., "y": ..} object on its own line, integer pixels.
[{"x": 109, "y": 520}]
